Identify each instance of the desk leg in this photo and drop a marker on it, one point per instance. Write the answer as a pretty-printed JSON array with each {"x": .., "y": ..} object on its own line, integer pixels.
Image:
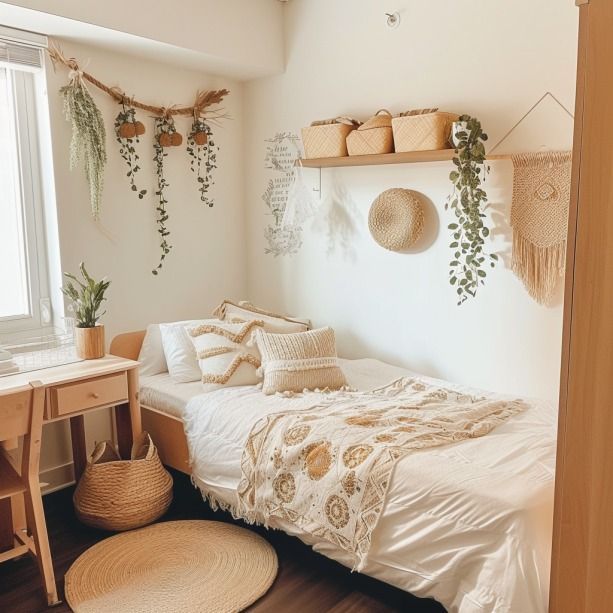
[
  {"x": 127, "y": 416},
  {"x": 79, "y": 450}
]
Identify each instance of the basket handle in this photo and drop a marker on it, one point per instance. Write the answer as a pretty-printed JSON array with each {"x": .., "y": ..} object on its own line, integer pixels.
[
  {"x": 340, "y": 119},
  {"x": 383, "y": 111},
  {"x": 418, "y": 112}
]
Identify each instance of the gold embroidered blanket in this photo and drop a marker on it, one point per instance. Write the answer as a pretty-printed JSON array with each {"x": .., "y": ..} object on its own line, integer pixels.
[{"x": 327, "y": 468}]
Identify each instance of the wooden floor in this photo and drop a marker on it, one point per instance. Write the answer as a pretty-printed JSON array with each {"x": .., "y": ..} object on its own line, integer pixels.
[{"x": 307, "y": 582}]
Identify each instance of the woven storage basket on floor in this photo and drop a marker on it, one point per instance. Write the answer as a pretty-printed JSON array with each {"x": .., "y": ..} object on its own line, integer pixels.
[
  {"x": 327, "y": 138},
  {"x": 373, "y": 136},
  {"x": 115, "y": 494},
  {"x": 419, "y": 131}
]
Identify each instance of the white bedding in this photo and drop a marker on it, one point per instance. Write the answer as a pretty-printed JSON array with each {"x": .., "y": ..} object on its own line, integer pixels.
[{"x": 468, "y": 524}]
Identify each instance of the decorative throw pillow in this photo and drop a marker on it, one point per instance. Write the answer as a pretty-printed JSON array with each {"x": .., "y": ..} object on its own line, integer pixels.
[
  {"x": 151, "y": 356},
  {"x": 295, "y": 362},
  {"x": 225, "y": 354},
  {"x": 181, "y": 360},
  {"x": 244, "y": 311}
]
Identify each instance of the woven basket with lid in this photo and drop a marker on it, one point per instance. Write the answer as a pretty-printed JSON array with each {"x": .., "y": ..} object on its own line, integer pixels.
[
  {"x": 423, "y": 130},
  {"x": 115, "y": 494},
  {"x": 373, "y": 136},
  {"x": 327, "y": 138}
]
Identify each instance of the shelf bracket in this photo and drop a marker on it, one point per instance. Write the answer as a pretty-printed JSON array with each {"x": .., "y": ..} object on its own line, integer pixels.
[{"x": 318, "y": 189}]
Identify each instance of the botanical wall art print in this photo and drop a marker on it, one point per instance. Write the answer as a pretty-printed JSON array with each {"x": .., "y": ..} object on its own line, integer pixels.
[{"x": 282, "y": 151}]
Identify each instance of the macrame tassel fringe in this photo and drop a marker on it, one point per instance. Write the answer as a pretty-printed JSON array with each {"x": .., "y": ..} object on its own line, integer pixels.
[{"x": 538, "y": 267}]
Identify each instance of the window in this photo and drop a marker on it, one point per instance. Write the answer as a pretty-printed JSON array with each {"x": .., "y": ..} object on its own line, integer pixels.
[{"x": 24, "y": 274}]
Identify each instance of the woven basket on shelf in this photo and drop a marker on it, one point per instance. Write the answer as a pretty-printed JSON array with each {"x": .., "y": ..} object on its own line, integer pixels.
[
  {"x": 327, "y": 138},
  {"x": 373, "y": 136},
  {"x": 115, "y": 494},
  {"x": 423, "y": 130}
]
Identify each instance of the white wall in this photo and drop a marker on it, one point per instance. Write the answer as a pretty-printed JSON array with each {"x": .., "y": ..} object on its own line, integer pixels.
[
  {"x": 489, "y": 59},
  {"x": 207, "y": 260}
]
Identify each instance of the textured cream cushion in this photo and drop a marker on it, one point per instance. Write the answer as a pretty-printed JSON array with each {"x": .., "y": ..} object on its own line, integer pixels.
[
  {"x": 295, "y": 362},
  {"x": 225, "y": 351},
  {"x": 244, "y": 311}
]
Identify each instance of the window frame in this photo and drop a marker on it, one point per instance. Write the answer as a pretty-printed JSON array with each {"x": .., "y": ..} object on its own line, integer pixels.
[{"x": 26, "y": 94}]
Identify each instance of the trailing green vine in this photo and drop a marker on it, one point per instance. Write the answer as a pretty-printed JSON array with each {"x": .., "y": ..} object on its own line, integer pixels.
[
  {"x": 127, "y": 132},
  {"x": 88, "y": 142},
  {"x": 203, "y": 151},
  {"x": 164, "y": 132},
  {"x": 468, "y": 201}
]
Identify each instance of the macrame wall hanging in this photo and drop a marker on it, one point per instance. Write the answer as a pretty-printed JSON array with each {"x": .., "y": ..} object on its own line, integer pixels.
[
  {"x": 539, "y": 214},
  {"x": 89, "y": 139},
  {"x": 539, "y": 218}
]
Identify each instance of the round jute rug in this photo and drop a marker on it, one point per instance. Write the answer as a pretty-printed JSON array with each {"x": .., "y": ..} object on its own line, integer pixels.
[{"x": 178, "y": 567}]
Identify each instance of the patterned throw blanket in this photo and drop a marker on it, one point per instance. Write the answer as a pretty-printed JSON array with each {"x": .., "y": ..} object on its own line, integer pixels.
[{"x": 327, "y": 468}]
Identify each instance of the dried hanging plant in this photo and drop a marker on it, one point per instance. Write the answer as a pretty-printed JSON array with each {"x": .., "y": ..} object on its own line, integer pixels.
[
  {"x": 203, "y": 151},
  {"x": 468, "y": 202},
  {"x": 166, "y": 135},
  {"x": 127, "y": 131},
  {"x": 88, "y": 142}
]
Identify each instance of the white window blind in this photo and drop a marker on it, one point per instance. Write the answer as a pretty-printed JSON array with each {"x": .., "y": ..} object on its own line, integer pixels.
[{"x": 21, "y": 50}]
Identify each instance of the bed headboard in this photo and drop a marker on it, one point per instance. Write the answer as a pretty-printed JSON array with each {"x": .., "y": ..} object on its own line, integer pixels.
[{"x": 127, "y": 345}]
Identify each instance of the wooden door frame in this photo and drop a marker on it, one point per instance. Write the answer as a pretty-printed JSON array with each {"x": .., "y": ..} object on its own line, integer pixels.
[{"x": 582, "y": 554}]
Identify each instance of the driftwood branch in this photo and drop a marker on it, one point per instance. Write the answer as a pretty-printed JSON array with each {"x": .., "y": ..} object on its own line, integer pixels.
[{"x": 203, "y": 100}]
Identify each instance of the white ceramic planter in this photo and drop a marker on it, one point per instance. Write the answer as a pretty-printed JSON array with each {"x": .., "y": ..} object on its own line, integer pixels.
[{"x": 457, "y": 127}]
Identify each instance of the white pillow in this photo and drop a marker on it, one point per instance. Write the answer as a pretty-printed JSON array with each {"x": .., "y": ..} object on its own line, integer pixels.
[
  {"x": 179, "y": 351},
  {"x": 151, "y": 355},
  {"x": 226, "y": 355}
]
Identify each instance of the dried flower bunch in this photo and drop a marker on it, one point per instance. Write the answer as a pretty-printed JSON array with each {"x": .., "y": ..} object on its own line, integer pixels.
[
  {"x": 88, "y": 142},
  {"x": 203, "y": 151},
  {"x": 127, "y": 132}
]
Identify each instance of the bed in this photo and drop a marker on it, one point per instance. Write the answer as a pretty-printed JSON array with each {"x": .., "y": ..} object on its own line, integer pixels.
[{"x": 468, "y": 523}]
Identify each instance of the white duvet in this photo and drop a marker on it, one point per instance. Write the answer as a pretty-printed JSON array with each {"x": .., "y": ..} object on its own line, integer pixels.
[{"x": 468, "y": 524}]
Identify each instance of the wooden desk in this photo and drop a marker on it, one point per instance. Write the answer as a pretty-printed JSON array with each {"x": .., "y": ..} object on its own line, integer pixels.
[{"x": 71, "y": 391}]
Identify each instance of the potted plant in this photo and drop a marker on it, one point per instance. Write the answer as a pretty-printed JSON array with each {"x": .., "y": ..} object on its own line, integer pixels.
[
  {"x": 468, "y": 202},
  {"x": 87, "y": 297}
]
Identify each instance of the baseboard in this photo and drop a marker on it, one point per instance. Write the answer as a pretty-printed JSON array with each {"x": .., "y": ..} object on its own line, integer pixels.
[{"x": 57, "y": 478}]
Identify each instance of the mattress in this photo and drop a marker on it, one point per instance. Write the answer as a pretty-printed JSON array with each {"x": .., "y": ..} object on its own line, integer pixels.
[
  {"x": 162, "y": 393},
  {"x": 468, "y": 524}
]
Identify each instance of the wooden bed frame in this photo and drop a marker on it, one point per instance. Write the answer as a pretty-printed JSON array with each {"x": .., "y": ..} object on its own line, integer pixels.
[{"x": 166, "y": 431}]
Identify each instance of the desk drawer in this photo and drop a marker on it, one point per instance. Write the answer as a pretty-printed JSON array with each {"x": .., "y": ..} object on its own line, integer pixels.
[{"x": 82, "y": 395}]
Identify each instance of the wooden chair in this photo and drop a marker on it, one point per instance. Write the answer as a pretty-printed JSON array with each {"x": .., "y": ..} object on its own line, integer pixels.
[{"x": 21, "y": 415}]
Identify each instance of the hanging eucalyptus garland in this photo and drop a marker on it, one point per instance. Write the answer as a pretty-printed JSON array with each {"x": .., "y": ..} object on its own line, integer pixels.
[
  {"x": 468, "y": 201},
  {"x": 203, "y": 151},
  {"x": 88, "y": 141},
  {"x": 127, "y": 132},
  {"x": 166, "y": 135}
]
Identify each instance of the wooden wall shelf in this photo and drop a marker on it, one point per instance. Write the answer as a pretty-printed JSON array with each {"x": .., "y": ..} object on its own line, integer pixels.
[{"x": 411, "y": 157}]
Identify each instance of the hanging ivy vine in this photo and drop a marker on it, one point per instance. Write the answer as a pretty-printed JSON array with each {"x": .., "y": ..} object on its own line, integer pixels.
[
  {"x": 468, "y": 201},
  {"x": 203, "y": 151},
  {"x": 166, "y": 135},
  {"x": 127, "y": 132},
  {"x": 88, "y": 141}
]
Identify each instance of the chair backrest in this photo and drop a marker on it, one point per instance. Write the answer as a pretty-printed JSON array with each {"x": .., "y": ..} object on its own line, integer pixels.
[
  {"x": 16, "y": 408},
  {"x": 21, "y": 415}
]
